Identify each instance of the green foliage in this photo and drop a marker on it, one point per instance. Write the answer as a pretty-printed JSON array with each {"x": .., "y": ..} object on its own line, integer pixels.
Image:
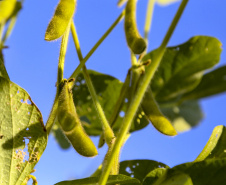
[
  {"x": 139, "y": 168},
  {"x": 183, "y": 116},
  {"x": 180, "y": 80},
  {"x": 23, "y": 135},
  {"x": 182, "y": 67},
  {"x": 211, "y": 84},
  {"x": 60, "y": 137},
  {"x": 108, "y": 91},
  {"x": 172, "y": 178},
  {"x": 3, "y": 72},
  {"x": 215, "y": 147},
  {"x": 208, "y": 168},
  {"x": 112, "y": 180}
]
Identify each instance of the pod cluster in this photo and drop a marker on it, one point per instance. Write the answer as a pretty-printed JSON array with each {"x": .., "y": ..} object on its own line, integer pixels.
[
  {"x": 71, "y": 124},
  {"x": 60, "y": 20},
  {"x": 135, "y": 42}
]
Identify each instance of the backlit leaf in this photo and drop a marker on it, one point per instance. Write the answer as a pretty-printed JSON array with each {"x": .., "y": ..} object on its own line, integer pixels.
[{"x": 22, "y": 134}]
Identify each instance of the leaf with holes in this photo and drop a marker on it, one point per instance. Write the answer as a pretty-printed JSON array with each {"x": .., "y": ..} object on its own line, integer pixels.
[
  {"x": 154, "y": 175},
  {"x": 139, "y": 168},
  {"x": 215, "y": 147},
  {"x": 182, "y": 66},
  {"x": 183, "y": 116},
  {"x": 161, "y": 176},
  {"x": 23, "y": 136},
  {"x": 209, "y": 171},
  {"x": 108, "y": 90},
  {"x": 212, "y": 83},
  {"x": 112, "y": 180}
]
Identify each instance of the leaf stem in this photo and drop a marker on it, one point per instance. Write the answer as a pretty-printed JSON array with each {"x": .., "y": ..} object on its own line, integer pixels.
[
  {"x": 139, "y": 95},
  {"x": 118, "y": 106},
  {"x": 149, "y": 14},
  {"x": 10, "y": 28},
  {"x": 133, "y": 59},
  {"x": 109, "y": 134},
  {"x": 2, "y": 25},
  {"x": 52, "y": 115},
  {"x": 77, "y": 70},
  {"x": 63, "y": 49}
]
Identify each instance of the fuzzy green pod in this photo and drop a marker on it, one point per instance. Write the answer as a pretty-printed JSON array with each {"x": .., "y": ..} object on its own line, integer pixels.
[
  {"x": 158, "y": 120},
  {"x": 136, "y": 43},
  {"x": 71, "y": 124},
  {"x": 6, "y": 9},
  {"x": 61, "y": 19}
]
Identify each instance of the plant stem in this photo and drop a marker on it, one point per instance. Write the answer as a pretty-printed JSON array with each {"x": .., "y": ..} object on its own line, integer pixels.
[
  {"x": 118, "y": 106},
  {"x": 108, "y": 133},
  {"x": 53, "y": 112},
  {"x": 133, "y": 59},
  {"x": 139, "y": 95},
  {"x": 149, "y": 14},
  {"x": 52, "y": 115},
  {"x": 77, "y": 70},
  {"x": 2, "y": 25},
  {"x": 60, "y": 75},
  {"x": 10, "y": 28},
  {"x": 63, "y": 50}
]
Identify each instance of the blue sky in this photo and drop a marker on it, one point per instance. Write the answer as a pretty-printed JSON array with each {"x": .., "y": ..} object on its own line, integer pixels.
[{"x": 32, "y": 63}]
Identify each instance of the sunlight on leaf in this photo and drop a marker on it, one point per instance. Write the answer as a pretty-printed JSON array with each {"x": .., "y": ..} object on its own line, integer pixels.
[
  {"x": 182, "y": 66},
  {"x": 108, "y": 90},
  {"x": 211, "y": 84},
  {"x": 216, "y": 145},
  {"x": 23, "y": 136},
  {"x": 139, "y": 168},
  {"x": 112, "y": 180}
]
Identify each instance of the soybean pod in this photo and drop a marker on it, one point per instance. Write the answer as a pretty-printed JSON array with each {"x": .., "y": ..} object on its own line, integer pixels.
[
  {"x": 6, "y": 9},
  {"x": 61, "y": 19},
  {"x": 158, "y": 120},
  {"x": 136, "y": 43},
  {"x": 71, "y": 124}
]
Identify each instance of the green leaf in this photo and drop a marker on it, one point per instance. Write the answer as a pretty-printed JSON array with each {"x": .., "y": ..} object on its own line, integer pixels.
[
  {"x": 23, "y": 136},
  {"x": 165, "y": 177},
  {"x": 112, "y": 180},
  {"x": 108, "y": 90},
  {"x": 3, "y": 72},
  {"x": 212, "y": 83},
  {"x": 60, "y": 137},
  {"x": 182, "y": 67},
  {"x": 209, "y": 171},
  {"x": 139, "y": 168},
  {"x": 184, "y": 116},
  {"x": 215, "y": 147},
  {"x": 154, "y": 175}
]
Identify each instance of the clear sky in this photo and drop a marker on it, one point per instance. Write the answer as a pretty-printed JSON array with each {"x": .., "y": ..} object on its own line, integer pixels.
[{"x": 32, "y": 63}]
